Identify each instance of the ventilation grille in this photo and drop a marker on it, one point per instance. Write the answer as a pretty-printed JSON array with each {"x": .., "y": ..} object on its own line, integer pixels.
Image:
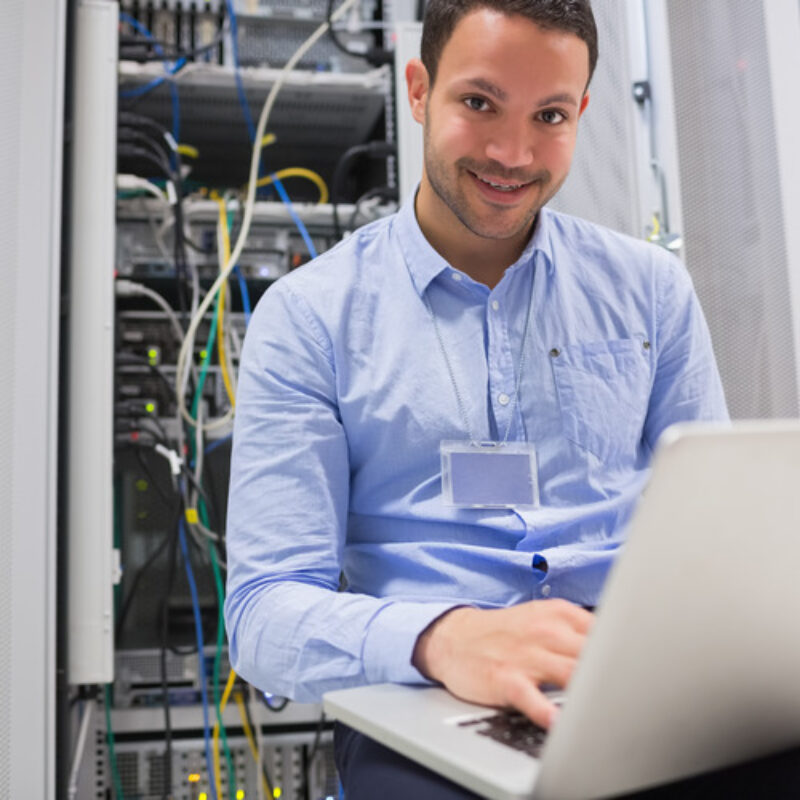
[
  {"x": 10, "y": 69},
  {"x": 735, "y": 243},
  {"x": 602, "y": 185}
]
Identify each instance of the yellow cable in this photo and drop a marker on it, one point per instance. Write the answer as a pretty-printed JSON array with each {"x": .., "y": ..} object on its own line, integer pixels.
[
  {"x": 248, "y": 732},
  {"x": 656, "y": 229},
  {"x": 226, "y": 252},
  {"x": 188, "y": 151},
  {"x": 299, "y": 172},
  {"x": 225, "y": 695}
]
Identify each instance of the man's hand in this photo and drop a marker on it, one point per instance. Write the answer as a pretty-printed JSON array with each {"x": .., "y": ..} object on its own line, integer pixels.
[{"x": 500, "y": 657}]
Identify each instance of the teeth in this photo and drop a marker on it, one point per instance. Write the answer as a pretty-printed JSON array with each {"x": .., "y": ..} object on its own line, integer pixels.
[{"x": 500, "y": 186}]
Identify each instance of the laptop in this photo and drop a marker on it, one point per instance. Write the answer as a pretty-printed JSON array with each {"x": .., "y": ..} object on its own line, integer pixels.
[{"x": 693, "y": 662}]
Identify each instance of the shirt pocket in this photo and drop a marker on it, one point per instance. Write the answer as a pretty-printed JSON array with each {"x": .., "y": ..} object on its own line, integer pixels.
[{"x": 603, "y": 392}]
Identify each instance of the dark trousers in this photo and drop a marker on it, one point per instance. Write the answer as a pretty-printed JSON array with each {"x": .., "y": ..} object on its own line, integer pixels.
[{"x": 369, "y": 771}]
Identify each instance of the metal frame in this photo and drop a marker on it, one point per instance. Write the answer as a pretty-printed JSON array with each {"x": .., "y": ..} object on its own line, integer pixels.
[
  {"x": 91, "y": 346},
  {"x": 31, "y": 131}
]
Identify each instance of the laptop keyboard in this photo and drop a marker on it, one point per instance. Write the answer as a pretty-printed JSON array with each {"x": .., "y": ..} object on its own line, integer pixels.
[{"x": 512, "y": 729}]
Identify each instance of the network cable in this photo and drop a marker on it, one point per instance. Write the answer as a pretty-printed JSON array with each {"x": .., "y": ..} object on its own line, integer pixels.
[
  {"x": 198, "y": 624},
  {"x": 251, "y": 130}
]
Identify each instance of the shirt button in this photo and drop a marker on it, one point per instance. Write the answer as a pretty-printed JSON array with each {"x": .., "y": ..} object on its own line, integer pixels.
[
  {"x": 456, "y": 276},
  {"x": 503, "y": 399},
  {"x": 546, "y": 590},
  {"x": 495, "y": 305}
]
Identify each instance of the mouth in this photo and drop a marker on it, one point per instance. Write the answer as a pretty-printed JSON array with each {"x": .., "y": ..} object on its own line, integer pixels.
[{"x": 504, "y": 191}]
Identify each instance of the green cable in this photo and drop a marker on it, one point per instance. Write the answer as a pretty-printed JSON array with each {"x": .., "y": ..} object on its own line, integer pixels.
[
  {"x": 220, "y": 642},
  {"x": 112, "y": 753},
  {"x": 214, "y": 564}
]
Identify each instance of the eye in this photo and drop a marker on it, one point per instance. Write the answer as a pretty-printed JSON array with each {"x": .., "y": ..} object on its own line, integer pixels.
[
  {"x": 552, "y": 117},
  {"x": 476, "y": 103}
]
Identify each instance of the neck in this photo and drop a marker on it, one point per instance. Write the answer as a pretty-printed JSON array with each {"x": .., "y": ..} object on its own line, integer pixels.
[{"x": 484, "y": 260}]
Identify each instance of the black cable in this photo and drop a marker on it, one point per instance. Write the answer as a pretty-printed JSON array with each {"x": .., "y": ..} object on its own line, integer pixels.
[
  {"x": 199, "y": 248},
  {"x": 155, "y": 145},
  {"x": 133, "y": 151},
  {"x": 375, "y": 150},
  {"x": 168, "y": 501},
  {"x": 311, "y": 756},
  {"x": 125, "y": 359},
  {"x": 420, "y": 10},
  {"x": 173, "y": 173},
  {"x": 173, "y": 557},
  {"x": 376, "y": 56},
  {"x": 132, "y": 119},
  {"x": 165, "y": 54},
  {"x": 275, "y": 708},
  {"x": 134, "y": 584}
]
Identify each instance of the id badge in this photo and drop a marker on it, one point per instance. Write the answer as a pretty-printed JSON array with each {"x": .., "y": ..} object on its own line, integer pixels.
[{"x": 489, "y": 474}]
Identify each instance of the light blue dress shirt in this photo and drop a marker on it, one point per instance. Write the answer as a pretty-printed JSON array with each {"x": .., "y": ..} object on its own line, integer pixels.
[{"x": 344, "y": 397}]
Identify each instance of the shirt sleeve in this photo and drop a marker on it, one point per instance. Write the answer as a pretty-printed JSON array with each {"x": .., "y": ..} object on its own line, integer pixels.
[
  {"x": 290, "y": 630},
  {"x": 686, "y": 385}
]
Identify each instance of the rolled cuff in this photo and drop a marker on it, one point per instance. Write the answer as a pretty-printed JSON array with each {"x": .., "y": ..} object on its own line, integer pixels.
[{"x": 391, "y": 637}]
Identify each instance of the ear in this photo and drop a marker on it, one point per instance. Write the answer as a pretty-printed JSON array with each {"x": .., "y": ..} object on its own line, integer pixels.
[
  {"x": 584, "y": 103},
  {"x": 418, "y": 85}
]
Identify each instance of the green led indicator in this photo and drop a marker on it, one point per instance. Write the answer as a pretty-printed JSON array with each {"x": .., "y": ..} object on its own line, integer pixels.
[
  {"x": 150, "y": 408},
  {"x": 204, "y": 354},
  {"x": 142, "y": 485},
  {"x": 152, "y": 353}
]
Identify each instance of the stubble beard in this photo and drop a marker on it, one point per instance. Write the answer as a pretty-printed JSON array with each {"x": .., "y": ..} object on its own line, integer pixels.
[{"x": 454, "y": 198}]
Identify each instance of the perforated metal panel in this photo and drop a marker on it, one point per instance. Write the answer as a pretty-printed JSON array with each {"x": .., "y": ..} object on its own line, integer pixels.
[
  {"x": 735, "y": 243},
  {"x": 10, "y": 60},
  {"x": 602, "y": 185}
]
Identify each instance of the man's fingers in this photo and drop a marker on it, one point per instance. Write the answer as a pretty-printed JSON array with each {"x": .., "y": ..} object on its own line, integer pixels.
[
  {"x": 526, "y": 697},
  {"x": 554, "y": 669},
  {"x": 563, "y": 641},
  {"x": 578, "y": 617}
]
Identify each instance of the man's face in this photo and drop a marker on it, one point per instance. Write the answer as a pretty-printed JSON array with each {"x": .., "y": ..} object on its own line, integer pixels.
[{"x": 500, "y": 123}]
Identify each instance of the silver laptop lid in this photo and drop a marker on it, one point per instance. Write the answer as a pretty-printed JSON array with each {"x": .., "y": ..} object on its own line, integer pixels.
[{"x": 694, "y": 661}]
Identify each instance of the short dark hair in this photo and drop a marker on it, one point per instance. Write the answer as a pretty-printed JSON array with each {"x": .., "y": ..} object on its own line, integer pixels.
[{"x": 442, "y": 16}]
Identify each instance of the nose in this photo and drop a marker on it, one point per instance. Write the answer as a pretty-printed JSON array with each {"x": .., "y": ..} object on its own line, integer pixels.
[{"x": 511, "y": 144}]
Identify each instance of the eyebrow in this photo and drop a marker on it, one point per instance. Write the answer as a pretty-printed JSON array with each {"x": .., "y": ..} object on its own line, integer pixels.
[
  {"x": 488, "y": 87},
  {"x": 563, "y": 97},
  {"x": 500, "y": 94}
]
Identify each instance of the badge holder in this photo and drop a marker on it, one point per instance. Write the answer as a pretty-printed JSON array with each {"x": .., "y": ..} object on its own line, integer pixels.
[{"x": 489, "y": 474}]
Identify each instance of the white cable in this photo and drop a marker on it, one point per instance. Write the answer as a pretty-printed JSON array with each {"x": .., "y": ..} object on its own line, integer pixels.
[
  {"x": 259, "y": 741},
  {"x": 188, "y": 342},
  {"x": 72, "y": 787},
  {"x": 156, "y": 231},
  {"x": 126, "y": 288},
  {"x": 132, "y": 183}
]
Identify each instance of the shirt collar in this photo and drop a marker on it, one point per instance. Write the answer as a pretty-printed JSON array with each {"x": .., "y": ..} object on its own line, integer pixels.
[{"x": 424, "y": 263}]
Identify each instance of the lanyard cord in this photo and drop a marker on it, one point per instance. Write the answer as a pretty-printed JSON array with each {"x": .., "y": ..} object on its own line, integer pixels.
[{"x": 459, "y": 401}]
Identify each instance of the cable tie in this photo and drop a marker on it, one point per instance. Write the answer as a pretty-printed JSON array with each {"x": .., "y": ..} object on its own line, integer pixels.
[
  {"x": 191, "y": 516},
  {"x": 172, "y": 195},
  {"x": 175, "y": 461}
]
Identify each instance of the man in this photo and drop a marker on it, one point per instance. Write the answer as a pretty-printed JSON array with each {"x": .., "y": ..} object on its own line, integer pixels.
[{"x": 473, "y": 315}]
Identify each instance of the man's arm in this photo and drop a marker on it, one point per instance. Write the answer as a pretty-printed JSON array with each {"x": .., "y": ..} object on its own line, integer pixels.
[
  {"x": 290, "y": 631},
  {"x": 686, "y": 384}
]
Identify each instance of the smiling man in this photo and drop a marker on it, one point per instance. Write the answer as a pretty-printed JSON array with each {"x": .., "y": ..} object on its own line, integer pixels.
[
  {"x": 500, "y": 118},
  {"x": 455, "y": 407}
]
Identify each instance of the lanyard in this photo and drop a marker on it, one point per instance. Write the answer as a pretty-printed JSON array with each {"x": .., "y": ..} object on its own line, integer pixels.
[{"x": 474, "y": 440}]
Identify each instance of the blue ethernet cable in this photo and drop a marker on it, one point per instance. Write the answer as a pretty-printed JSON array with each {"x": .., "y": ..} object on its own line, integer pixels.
[
  {"x": 251, "y": 128},
  {"x": 171, "y": 70},
  {"x": 198, "y": 624}
]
